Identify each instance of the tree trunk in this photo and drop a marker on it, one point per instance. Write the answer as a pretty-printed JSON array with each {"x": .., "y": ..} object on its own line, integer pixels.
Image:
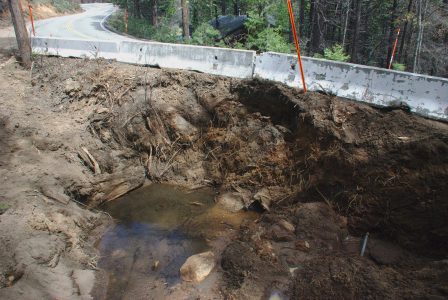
[
  {"x": 419, "y": 35},
  {"x": 185, "y": 21},
  {"x": 405, "y": 32},
  {"x": 216, "y": 16},
  {"x": 236, "y": 7},
  {"x": 347, "y": 15},
  {"x": 137, "y": 9},
  {"x": 23, "y": 41},
  {"x": 315, "y": 28},
  {"x": 223, "y": 7},
  {"x": 301, "y": 17},
  {"x": 355, "y": 38},
  {"x": 154, "y": 14},
  {"x": 310, "y": 19}
]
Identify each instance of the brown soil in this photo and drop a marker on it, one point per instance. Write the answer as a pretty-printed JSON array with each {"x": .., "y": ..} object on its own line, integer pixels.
[{"x": 324, "y": 170}]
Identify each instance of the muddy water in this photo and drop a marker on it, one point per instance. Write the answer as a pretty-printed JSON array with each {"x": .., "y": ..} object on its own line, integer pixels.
[{"x": 158, "y": 228}]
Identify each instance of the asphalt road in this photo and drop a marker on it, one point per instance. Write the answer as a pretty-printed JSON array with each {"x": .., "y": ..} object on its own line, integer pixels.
[{"x": 87, "y": 25}]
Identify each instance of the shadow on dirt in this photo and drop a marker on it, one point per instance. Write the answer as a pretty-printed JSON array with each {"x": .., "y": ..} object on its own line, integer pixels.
[{"x": 5, "y": 144}]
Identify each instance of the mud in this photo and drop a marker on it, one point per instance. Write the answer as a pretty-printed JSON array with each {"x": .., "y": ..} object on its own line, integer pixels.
[{"x": 323, "y": 171}]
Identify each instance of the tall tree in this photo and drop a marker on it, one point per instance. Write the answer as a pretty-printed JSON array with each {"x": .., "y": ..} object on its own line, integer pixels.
[
  {"x": 23, "y": 42},
  {"x": 315, "y": 26},
  {"x": 302, "y": 17},
  {"x": 347, "y": 15},
  {"x": 405, "y": 31},
  {"x": 357, "y": 30},
  {"x": 223, "y": 7},
  {"x": 154, "y": 14},
  {"x": 185, "y": 19},
  {"x": 421, "y": 8},
  {"x": 236, "y": 7}
]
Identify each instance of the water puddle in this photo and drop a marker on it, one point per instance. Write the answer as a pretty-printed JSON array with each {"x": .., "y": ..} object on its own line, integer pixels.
[{"x": 158, "y": 228}]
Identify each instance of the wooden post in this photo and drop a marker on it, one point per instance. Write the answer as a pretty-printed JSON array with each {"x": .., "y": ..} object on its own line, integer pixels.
[{"x": 23, "y": 41}]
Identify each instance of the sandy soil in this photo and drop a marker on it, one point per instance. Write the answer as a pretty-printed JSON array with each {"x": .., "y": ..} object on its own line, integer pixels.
[{"x": 323, "y": 170}]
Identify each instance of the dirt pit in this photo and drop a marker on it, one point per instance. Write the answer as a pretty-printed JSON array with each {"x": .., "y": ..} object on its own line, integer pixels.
[{"x": 320, "y": 170}]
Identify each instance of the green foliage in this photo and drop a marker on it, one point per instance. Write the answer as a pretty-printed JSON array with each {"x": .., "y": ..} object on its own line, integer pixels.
[
  {"x": 269, "y": 40},
  {"x": 65, "y": 5},
  {"x": 336, "y": 53},
  {"x": 143, "y": 29},
  {"x": 264, "y": 38},
  {"x": 205, "y": 34},
  {"x": 399, "y": 67},
  {"x": 3, "y": 207},
  {"x": 166, "y": 34},
  {"x": 255, "y": 24},
  {"x": 61, "y": 6}
]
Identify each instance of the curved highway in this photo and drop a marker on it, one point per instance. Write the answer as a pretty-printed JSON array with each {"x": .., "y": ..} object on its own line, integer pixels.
[{"x": 87, "y": 25}]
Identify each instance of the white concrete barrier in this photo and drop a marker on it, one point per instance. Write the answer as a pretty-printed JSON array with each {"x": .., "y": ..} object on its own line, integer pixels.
[
  {"x": 425, "y": 95},
  {"x": 217, "y": 61},
  {"x": 75, "y": 48}
]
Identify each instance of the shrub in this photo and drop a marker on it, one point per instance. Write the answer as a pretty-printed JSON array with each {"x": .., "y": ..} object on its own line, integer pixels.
[
  {"x": 205, "y": 34},
  {"x": 269, "y": 39},
  {"x": 143, "y": 29},
  {"x": 336, "y": 53},
  {"x": 399, "y": 67}
]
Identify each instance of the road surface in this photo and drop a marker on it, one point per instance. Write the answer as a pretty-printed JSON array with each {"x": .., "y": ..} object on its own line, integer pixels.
[{"x": 87, "y": 25}]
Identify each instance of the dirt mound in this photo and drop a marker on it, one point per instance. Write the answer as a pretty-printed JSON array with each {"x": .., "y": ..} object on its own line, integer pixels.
[{"x": 350, "y": 278}]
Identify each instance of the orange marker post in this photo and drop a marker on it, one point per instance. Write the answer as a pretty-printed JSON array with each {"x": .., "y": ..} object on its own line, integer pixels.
[
  {"x": 395, "y": 49},
  {"x": 30, "y": 9},
  {"x": 296, "y": 41}
]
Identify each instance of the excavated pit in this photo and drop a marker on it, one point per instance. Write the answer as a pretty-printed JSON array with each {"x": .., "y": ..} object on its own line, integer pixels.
[{"x": 323, "y": 170}]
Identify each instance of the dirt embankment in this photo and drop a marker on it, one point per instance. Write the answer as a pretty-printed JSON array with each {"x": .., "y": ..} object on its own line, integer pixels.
[
  {"x": 42, "y": 9},
  {"x": 325, "y": 171}
]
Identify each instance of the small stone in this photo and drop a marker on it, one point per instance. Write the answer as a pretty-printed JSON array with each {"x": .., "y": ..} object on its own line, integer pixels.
[
  {"x": 11, "y": 278},
  {"x": 287, "y": 225},
  {"x": 293, "y": 270},
  {"x": 231, "y": 201},
  {"x": 71, "y": 86},
  {"x": 197, "y": 267},
  {"x": 303, "y": 246},
  {"x": 279, "y": 234},
  {"x": 155, "y": 265}
]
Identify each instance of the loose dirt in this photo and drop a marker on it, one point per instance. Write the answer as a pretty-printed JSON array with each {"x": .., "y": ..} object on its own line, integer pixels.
[{"x": 322, "y": 172}]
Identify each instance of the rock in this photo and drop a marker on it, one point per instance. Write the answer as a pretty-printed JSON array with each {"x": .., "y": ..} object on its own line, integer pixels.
[
  {"x": 287, "y": 225},
  {"x": 46, "y": 144},
  {"x": 385, "y": 253},
  {"x": 197, "y": 267},
  {"x": 303, "y": 246},
  {"x": 231, "y": 201},
  {"x": 269, "y": 195},
  {"x": 85, "y": 280},
  {"x": 71, "y": 86},
  {"x": 280, "y": 234},
  {"x": 155, "y": 265},
  {"x": 184, "y": 129},
  {"x": 55, "y": 193}
]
